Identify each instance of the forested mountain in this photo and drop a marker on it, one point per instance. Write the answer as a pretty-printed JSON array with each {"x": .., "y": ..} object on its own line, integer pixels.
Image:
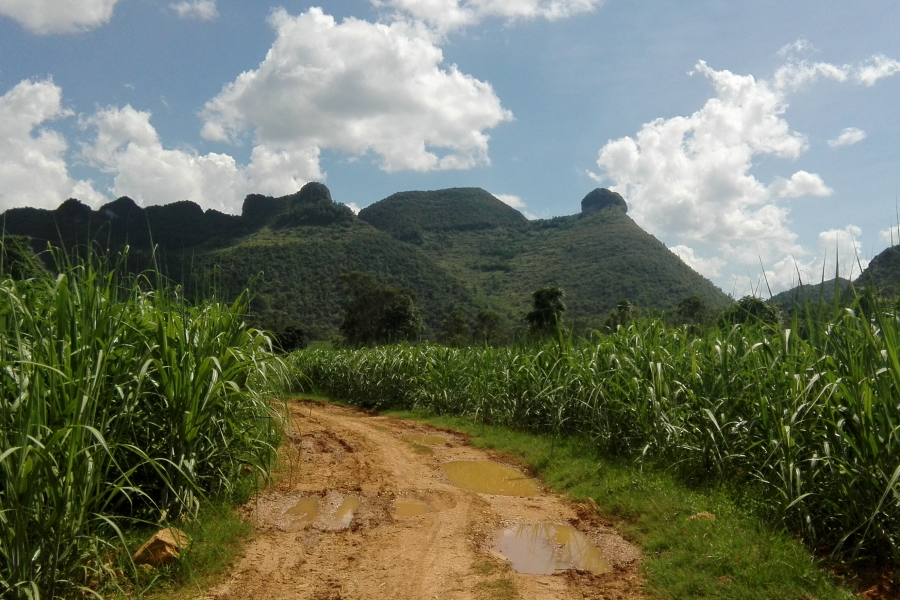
[
  {"x": 810, "y": 292},
  {"x": 455, "y": 249},
  {"x": 883, "y": 273},
  {"x": 598, "y": 257}
]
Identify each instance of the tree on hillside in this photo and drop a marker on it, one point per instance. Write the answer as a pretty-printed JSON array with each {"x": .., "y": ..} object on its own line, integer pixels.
[
  {"x": 690, "y": 311},
  {"x": 488, "y": 328},
  {"x": 378, "y": 314},
  {"x": 624, "y": 313},
  {"x": 289, "y": 339},
  {"x": 750, "y": 310},
  {"x": 455, "y": 329},
  {"x": 547, "y": 310}
]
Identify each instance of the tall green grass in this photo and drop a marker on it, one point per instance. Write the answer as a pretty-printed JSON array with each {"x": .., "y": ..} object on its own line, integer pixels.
[
  {"x": 807, "y": 429},
  {"x": 119, "y": 401}
]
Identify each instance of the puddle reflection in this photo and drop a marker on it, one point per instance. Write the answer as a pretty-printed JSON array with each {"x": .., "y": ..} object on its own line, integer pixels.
[
  {"x": 488, "y": 477},
  {"x": 410, "y": 507},
  {"x": 305, "y": 510},
  {"x": 344, "y": 513},
  {"x": 547, "y": 548}
]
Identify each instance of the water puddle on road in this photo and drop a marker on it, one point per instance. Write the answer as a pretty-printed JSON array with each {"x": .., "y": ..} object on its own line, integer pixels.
[
  {"x": 344, "y": 513},
  {"x": 487, "y": 477},
  {"x": 424, "y": 439},
  {"x": 410, "y": 507},
  {"x": 305, "y": 510},
  {"x": 547, "y": 548}
]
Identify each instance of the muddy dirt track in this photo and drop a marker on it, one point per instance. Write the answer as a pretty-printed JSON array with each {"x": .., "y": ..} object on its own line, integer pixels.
[{"x": 354, "y": 544}]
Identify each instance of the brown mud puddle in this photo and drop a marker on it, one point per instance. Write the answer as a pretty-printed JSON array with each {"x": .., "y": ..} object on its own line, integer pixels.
[
  {"x": 548, "y": 548},
  {"x": 410, "y": 507},
  {"x": 305, "y": 511},
  {"x": 488, "y": 477},
  {"x": 358, "y": 512}
]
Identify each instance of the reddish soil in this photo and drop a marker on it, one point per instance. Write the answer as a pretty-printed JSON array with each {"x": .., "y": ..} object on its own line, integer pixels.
[{"x": 334, "y": 453}]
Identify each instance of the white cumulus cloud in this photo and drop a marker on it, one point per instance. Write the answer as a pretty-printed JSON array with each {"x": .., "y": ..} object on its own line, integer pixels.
[
  {"x": 708, "y": 267},
  {"x": 877, "y": 67},
  {"x": 839, "y": 252},
  {"x": 516, "y": 202},
  {"x": 58, "y": 16},
  {"x": 848, "y": 137},
  {"x": 128, "y": 146},
  {"x": 801, "y": 46},
  {"x": 445, "y": 15},
  {"x": 801, "y": 183},
  {"x": 359, "y": 87},
  {"x": 205, "y": 10},
  {"x": 33, "y": 170},
  {"x": 689, "y": 178}
]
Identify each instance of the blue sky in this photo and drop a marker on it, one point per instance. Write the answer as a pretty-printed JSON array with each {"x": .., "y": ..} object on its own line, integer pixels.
[{"x": 740, "y": 133}]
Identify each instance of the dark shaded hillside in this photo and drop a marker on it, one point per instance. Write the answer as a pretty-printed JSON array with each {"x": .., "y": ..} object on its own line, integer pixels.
[
  {"x": 296, "y": 274},
  {"x": 407, "y": 215},
  {"x": 173, "y": 227},
  {"x": 883, "y": 273}
]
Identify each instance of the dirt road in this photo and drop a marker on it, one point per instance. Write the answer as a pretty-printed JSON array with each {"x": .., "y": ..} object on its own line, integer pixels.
[{"x": 331, "y": 526}]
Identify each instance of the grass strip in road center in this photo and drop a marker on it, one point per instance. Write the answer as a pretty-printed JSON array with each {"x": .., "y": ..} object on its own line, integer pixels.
[{"x": 734, "y": 556}]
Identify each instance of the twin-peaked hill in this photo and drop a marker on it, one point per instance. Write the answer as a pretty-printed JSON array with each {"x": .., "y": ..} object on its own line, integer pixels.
[{"x": 456, "y": 248}]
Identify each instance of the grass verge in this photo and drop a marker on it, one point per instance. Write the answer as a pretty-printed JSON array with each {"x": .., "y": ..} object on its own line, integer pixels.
[
  {"x": 733, "y": 557},
  {"x": 217, "y": 535}
]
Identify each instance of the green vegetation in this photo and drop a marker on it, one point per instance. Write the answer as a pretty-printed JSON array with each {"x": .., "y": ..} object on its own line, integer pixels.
[
  {"x": 121, "y": 404},
  {"x": 883, "y": 273},
  {"x": 378, "y": 314},
  {"x": 18, "y": 260},
  {"x": 750, "y": 311},
  {"x": 733, "y": 557},
  {"x": 548, "y": 307},
  {"x": 804, "y": 427},
  {"x": 406, "y": 215},
  {"x": 811, "y": 292},
  {"x": 295, "y": 275},
  {"x": 457, "y": 249},
  {"x": 597, "y": 258}
]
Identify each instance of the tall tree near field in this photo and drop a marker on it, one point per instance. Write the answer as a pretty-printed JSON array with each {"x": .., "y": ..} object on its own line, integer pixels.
[
  {"x": 455, "y": 329},
  {"x": 547, "y": 310},
  {"x": 624, "y": 314},
  {"x": 750, "y": 310},
  {"x": 378, "y": 314},
  {"x": 488, "y": 328}
]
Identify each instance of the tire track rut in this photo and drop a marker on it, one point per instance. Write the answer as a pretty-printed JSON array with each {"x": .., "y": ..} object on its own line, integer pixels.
[{"x": 335, "y": 453}]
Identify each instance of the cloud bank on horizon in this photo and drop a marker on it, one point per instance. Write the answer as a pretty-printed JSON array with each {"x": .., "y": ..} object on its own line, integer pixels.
[{"x": 382, "y": 90}]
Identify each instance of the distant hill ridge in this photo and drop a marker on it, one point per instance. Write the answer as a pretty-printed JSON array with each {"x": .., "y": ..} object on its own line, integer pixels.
[
  {"x": 407, "y": 215},
  {"x": 176, "y": 226},
  {"x": 458, "y": 248},
  {"x": 810, "y": 292}
]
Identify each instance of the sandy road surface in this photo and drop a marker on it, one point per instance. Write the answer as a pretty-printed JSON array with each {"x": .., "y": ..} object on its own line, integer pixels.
[{"x": 337, "y": 454}]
